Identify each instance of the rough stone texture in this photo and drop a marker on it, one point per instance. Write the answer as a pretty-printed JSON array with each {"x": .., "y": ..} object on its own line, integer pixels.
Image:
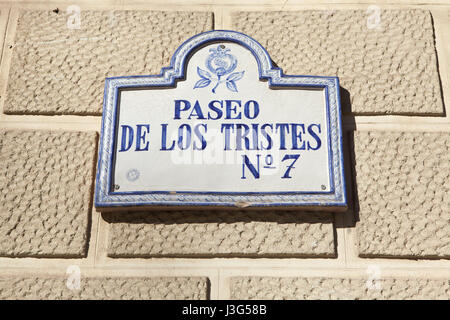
[
  {"x": 387, "y": 70},
  {"x": 104, "y": 288},
  {"x": 403, "y": 189},
  {"x": 337, "y": 288},
  {"x": 231, "y": 233},
  {"x": 45, "y": 192},
  {"x": 57, "y": 70}
]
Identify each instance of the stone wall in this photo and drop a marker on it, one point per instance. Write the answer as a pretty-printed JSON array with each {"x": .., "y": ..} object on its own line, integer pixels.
[{"x": 392, "y": 243}]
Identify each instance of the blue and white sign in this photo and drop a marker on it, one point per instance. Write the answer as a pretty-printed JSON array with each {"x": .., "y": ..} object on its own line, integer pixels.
[{"x": 221, "y": 127}]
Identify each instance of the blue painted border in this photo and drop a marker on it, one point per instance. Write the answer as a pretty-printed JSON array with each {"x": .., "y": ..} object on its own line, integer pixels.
[{"x": 105, "y": 197}]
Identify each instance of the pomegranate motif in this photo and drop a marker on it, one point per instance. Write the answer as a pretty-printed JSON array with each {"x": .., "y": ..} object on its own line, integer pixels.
[{"x": 219, "y": 63}]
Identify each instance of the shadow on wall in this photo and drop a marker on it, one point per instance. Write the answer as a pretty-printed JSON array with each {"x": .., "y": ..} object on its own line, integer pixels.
[
  {"x": 217, "y": 216},
  {"x": 351, "y": 216}
]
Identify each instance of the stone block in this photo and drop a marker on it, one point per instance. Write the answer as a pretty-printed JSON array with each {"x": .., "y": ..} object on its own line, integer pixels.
[
  {"x": 57, "y": 68},
  {"x": 46, "y": 185},
  {"x": 388, "y": 67},
  {"x": 403, "y": 194},
  {"x": 220, "y": 233},
  {"x": 108, "y": 288},
  {"x": 268, "y": 288}
]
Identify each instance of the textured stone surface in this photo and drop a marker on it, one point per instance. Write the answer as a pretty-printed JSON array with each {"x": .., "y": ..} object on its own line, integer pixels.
[
  {"x": 387, "y": 70},
  {"x": 213, "y": 233},
  {"x": 404, "y": 193},
  {"x": 104, "y": 288},
  {"x": 58, "y": 70},
  {"x": 45, "y": 192},
  {"x": 337, "y": 288}
]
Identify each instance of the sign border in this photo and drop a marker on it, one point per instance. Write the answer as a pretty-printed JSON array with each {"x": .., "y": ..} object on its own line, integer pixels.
[{"x": 105, "y": 196}]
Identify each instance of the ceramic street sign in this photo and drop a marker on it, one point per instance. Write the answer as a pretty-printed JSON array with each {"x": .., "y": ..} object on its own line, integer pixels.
[{"x": 221, "y": 127}]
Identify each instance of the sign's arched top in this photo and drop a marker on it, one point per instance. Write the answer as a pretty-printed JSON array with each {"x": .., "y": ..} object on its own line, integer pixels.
[
  {"x": 181, "y": 55},
  {"x": 207, "y": 131},
  {"x": 267, "y": 71}
]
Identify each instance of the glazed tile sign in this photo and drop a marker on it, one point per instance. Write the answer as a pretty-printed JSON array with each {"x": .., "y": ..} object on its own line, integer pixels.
[{"x": 221, "y": 126}]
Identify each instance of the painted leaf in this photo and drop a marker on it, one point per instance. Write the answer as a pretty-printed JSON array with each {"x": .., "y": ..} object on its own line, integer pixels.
[
  {"x": 232, "y": 86},
  {"x": 204, "y": 74},
  {"x": 202, "y": 83},
  {"x": 236, "y": 76}
]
